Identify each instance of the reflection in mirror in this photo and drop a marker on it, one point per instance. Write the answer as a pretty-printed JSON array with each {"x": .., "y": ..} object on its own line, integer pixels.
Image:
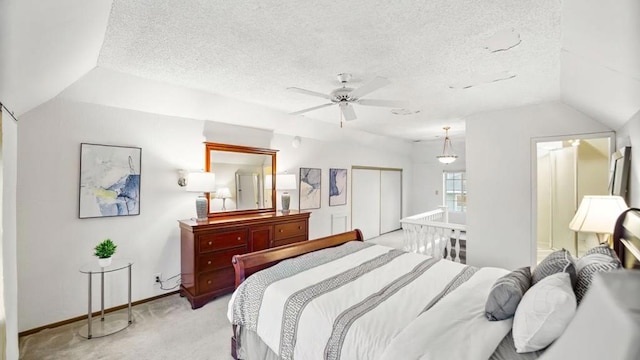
[
  {"x": 248, "y": 192},
  {"x": 246, "y": 173}
]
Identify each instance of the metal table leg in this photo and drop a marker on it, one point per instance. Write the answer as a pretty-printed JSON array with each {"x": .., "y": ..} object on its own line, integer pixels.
[
  {"x": 109, "y": 323},
  {"x": 130, "y": 294},
  {"x": 102, "y": 296},
  {"x": 89, "y": 315}
]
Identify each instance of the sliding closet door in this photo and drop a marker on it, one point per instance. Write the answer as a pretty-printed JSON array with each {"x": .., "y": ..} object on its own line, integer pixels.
[
  {"x": 390, "y": 200},
  {"x": 563, "y": 198},
  {"x": 365, "y": 201}
]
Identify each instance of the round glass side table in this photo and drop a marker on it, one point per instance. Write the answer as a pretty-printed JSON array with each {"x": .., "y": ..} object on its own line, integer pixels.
[{"x": 112, "y": 323}]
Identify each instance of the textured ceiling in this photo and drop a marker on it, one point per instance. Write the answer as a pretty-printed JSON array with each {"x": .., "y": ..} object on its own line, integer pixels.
[{"x": 446, "y": 59}]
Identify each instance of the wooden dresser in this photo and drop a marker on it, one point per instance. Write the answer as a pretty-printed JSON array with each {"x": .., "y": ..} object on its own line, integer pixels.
[{"x": 207, "y": 247}]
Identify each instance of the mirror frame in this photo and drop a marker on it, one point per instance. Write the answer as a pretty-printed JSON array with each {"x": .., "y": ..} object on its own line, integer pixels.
[{"x": 209, "y": 146}]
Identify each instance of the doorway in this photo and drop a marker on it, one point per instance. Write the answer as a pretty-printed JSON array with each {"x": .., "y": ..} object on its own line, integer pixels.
[{"x": 565, "y": 171}]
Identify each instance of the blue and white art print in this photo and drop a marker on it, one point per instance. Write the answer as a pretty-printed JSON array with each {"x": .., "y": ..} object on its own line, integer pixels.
[
  {"x": 337, "y": 187},
  {"x": 109, "y": 180},
  {"x": 310, "y": 181}
]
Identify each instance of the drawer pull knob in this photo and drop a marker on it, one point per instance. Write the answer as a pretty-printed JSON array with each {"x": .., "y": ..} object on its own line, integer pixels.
[
  {"x": 299, "y": 227},
  {"x": 210, "y": 243},
  {"x": 209, "y": 262},
  {"x": 209, "y": 282},
  {"x": 281, "y": 230},
  {"x": 238, "y": 238}
]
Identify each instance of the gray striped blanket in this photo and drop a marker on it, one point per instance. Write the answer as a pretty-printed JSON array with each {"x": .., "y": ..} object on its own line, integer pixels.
[{"x": 354, "y": 301}]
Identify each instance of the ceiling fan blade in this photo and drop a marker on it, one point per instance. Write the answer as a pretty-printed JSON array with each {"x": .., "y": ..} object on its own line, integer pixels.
[
  {"x": 385, "y": 103},
  {"x": 371, "y": 86},
  {"x": 309, "y": 92},
  {"x": 311, "y": 109},
  {"x": 348, "y": 112}
]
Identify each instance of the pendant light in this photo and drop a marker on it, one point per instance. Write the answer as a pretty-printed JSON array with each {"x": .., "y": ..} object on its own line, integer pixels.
[{"x": 448, "y": 156}]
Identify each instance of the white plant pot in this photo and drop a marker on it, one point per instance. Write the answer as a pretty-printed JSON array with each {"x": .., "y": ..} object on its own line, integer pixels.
[{"x": 104, "y": 262}]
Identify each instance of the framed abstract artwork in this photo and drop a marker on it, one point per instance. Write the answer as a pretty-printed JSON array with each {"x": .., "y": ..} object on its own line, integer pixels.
[
  {"x": 109, "y": 180},
  {"x": 310, "y": 181},
  {"x": 337, "y": 187}
]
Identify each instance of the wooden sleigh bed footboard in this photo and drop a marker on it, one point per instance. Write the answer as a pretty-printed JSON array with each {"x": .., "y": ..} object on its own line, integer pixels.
[{"x": 247, "y": 264}]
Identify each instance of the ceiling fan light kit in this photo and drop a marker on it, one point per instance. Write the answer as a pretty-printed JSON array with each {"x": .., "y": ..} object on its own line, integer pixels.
[
  {"x": 448, "y": 156},
  {"x": 345, "y": 97}
]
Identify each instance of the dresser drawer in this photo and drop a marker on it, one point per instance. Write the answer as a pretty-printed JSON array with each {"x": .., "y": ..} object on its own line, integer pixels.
[
  {"x": 290, "y": 229},
  {"x": 216, "y": 280},
  {"x": 222, "y": 240},
  {"x": 290, "y": 240},
  {"x": 218, "y": 259}
]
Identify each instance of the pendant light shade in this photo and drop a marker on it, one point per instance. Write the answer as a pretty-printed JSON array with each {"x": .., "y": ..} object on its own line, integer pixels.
[{"x": 448, "y": 156}]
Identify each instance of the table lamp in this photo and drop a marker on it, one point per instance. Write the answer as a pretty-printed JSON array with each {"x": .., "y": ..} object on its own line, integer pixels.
[
  {"x": 223, "y": 193},
  {"x": 201, "y": 182},
  {"x": 285, "y": 182},
  {"x": 598, "y": 214}
]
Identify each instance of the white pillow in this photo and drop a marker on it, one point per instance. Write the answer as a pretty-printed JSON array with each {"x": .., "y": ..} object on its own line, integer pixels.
[{"x": 544, "y": 312}]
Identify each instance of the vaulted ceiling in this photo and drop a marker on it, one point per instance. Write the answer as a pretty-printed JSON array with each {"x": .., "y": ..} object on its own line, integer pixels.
[{"x": 444, "y": 59}]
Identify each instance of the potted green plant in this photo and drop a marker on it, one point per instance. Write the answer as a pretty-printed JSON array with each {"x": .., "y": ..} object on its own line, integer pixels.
[{"x": 104, "y": 251}]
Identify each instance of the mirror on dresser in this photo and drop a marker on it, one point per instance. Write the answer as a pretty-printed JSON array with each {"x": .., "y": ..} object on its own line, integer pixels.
[{"x": 243, "y": 179}]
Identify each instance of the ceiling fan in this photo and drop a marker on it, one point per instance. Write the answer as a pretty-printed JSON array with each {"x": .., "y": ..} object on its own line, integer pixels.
[{"x": 346, "y": 96}]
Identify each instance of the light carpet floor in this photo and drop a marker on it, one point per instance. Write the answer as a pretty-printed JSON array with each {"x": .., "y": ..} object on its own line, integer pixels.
[{"x": 166, "y": 328}]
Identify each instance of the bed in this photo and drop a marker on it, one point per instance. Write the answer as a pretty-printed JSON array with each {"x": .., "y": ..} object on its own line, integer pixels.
[{"x": 341, "y": 298}]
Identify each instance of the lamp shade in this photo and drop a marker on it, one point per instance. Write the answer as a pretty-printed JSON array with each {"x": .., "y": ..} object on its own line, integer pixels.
[
  {"x": 223, "y": 193},
  {"x": 201, "y": 182},
  {"x": 597, "y": 214},
  {"x": 286, "y": 182}
]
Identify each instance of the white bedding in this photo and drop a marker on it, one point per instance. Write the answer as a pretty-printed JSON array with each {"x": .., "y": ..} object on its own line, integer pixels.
[{"x": 376, "y": 314}]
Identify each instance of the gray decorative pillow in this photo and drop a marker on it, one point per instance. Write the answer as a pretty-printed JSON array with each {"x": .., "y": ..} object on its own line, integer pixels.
[
  {"x": 556, "y": 262},
  {"x": 603, "y": 249},
  {"x": 597, "y": 259},
  {"x": 506, "y": 294}
]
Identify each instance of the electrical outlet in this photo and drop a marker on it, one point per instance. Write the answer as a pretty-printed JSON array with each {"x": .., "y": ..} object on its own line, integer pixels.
[{"x": 157, "y": 278}]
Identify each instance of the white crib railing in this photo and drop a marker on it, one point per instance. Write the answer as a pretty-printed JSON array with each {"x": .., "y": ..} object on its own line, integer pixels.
[{"x": 431, "y": 233}]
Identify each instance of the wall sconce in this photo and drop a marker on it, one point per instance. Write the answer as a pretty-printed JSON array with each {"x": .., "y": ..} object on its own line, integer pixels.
[{"x": 182, "y": 178}]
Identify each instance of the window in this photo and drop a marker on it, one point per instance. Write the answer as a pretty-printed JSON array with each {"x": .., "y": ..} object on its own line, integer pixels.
[{"x": 455, "y": 190}]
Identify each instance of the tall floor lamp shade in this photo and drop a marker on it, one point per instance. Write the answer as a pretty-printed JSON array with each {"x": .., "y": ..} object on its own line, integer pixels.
[
  {"x": 201, "y": 182},
  {"x": 286, "y": 182},
  {"x": 598, "y": 214}
]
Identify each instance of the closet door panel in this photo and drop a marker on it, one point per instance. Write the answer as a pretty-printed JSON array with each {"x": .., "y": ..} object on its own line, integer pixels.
[
  {"x": 365, "y": 201},
  {"x": 390, "y": 200},
  {"x": 563, "y": 203}
]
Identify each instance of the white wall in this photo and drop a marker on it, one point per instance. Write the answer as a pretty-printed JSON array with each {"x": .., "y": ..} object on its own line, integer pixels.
[
  {"x": 9, "y": 263},
  {"x": 499, "y": 170},
  {"x": 54, "y": 243},
  {"x": 600, "y": 58},
  {"x": 339, "y": 154},
  {"x": 426, "y": 184},
  {"x": 629, "y": 135}
]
